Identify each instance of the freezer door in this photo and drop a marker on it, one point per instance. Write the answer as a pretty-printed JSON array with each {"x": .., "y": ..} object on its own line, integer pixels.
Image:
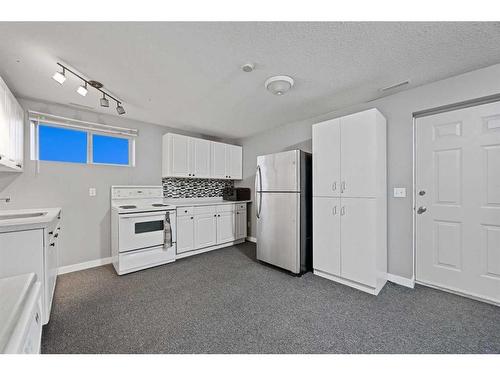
[
  {"x": 279, "y": 172},
  {"x": 278, "y": 230}
]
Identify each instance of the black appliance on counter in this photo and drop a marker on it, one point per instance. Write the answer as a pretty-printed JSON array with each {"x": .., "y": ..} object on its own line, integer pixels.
[{"x": 236, "y": 194}]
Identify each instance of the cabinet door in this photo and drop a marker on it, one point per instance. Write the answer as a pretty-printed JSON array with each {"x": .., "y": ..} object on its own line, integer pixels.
[
  {"x": 51, "y": 260},
  {"x": 359, "y": 240},
  {"x": 22, "y": 252},
  {"x": 218, "y": 160},
  {"x": 179, "y": 156},
  {"x": 326, "y": 158},
  {"x": 359, "y": 155},
  {"x": 241, "y": 224},
  {"x": 234, "y": 162},
  {"x": 225, "y": 227},
  {"x": 4, "y": 120},
  {"x": 185, "y": 233},
  {"x": 205, "y": 230},
  {"x": 326, "y": 235},
  {"x": 199, "y": 154}
]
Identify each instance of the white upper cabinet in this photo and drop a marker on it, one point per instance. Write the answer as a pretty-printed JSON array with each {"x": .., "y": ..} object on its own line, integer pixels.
[
  {"x": 218, "y": 160},
  {"x": 326, "y": 158},
  {"x": 11, "y": 131},
  {"x": 349, "y": 156},
  {"x": 199, "y": 158}
]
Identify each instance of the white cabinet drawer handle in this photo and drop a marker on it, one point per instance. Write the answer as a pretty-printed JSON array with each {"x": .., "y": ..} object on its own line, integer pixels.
[
  {"x": 334, "y": 210},
  {"x": 37, "y": 317},
  {"x": 343, "y": 211},
  {"x": 334, "y": 186}
]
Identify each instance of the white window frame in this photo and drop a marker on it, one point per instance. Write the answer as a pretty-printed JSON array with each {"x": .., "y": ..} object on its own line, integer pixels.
[{"x": 34, "y": 140}]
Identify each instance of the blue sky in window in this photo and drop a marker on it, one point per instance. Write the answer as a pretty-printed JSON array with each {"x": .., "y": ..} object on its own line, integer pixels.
[
  {"x": 109, "y": 150},
  {"x": 61, "y": 144}
]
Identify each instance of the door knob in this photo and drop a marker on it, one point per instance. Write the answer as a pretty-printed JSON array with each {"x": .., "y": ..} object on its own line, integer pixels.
[{"x": 421, "y": 210}]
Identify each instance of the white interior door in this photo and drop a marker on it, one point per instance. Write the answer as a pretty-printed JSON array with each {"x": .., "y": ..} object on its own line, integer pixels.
[
  {"x": 326, "y": 158},
  {"x": 326, "y": 235},
  {"x": 458, "y": 201}
]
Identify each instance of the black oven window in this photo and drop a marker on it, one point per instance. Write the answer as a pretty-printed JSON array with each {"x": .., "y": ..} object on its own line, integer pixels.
[{"x": 149, "y": 226}]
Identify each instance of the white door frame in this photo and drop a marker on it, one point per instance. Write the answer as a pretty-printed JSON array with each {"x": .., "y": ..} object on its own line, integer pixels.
[{"x": 424, "y": 113}]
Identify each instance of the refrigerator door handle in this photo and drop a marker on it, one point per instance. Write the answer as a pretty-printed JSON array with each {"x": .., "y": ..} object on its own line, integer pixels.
[{"x": 258, "y": 190}]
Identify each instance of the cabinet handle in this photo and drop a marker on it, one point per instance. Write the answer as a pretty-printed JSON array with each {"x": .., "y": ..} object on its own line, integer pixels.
[
  {"x": 343, "y": 186},
  {"x": 51, "y": 233},
  {"x": 215, "y": 215},
  {"x": 334, "y": 186},
  {"x": 237, "y": 213},
  {"x": 185, "y": 211},
  {"x": 37, "y": 317},
  {"x": 343, "y": 211},
  {"x": 53, "y": 244},
  {"x": 334, "y": 211},
  {"x": 56, "y": 235},
  {"x": 191, "y": 218}
]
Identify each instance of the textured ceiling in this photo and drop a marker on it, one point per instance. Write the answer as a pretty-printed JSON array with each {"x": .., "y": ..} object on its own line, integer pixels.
[{"x": 187, "y": 75}]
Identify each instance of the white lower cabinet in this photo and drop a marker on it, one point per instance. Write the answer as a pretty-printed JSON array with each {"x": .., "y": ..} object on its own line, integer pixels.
[
  {"x": 200, "y": 227},
  {"x": 241, "y": 223},
  {"x": 226, "y": 227},
  {"x": 36, "y": 250},
  {"x": 326, "y": 235},
  {"x": 205, "y": 230},
  {"x": 185, "y": 233}
]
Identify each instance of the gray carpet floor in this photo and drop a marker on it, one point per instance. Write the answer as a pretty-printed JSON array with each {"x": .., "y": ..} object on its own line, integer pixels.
[{"x": 225, "y": 301}]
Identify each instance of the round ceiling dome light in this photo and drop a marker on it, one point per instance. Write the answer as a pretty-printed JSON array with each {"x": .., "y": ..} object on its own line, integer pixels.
[{"x": 279, "y": 85}]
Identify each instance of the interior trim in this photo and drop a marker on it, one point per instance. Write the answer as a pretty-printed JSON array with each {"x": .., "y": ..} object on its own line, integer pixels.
[
  {"x": 460, "y": 105},
  {"x": 83, "y": 266}
]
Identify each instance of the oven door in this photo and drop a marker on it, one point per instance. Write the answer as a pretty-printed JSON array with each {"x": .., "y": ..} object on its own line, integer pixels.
[{"x": 141, "y": 230}]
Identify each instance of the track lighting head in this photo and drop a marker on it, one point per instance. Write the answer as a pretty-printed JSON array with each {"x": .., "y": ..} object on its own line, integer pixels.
[
  {"x": 120, "y": 109},
  {"x": 60, "y": 77},
  {"x": 104, "y": 101},
  {"x": 82, "y": 90}
]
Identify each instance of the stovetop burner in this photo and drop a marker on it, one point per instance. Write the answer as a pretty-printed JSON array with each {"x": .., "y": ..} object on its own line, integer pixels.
[
  {"x": 159, "y": 205},
  {"x": 128, "y": 206}
]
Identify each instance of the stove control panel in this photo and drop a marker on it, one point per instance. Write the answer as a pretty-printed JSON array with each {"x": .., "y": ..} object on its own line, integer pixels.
[{"x": 132, "y": 192}]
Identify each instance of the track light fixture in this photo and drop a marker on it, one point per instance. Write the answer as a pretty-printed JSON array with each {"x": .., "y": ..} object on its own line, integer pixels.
[
  {"x": 82, "y": 90},
  {"x": 120, "y": 109},
  {"x": 104, "y": 101},
  {"x": 60, "y": 77}
]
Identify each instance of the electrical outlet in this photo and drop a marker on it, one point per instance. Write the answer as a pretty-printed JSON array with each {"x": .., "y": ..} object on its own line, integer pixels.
[
  {"x": 92, "y": 192},
  {"x": 399, "y": 192}
]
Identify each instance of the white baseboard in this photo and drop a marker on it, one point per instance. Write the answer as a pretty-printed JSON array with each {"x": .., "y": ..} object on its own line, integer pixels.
[
  {"x": 409, "y": 283},
  {"x": 252, "y": 239},
  {"x": 84, "y": 265}
]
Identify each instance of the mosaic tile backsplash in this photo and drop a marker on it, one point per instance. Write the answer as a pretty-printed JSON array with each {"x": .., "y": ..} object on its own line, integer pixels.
[{"x": 174, "y": 187}]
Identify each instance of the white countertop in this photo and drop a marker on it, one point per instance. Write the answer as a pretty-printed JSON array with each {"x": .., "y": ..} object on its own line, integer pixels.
[
  {"x": 185, "y": 202},
  {"x": 7, "y": 225},
  {"x": 13, "y": 293}
]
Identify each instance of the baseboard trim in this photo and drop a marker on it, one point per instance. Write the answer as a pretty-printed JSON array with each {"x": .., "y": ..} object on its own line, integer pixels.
[
  {"x": 251, "y": 239},
  {"x": 400, "y": 280},
  {"x": 350, "y": 283},
  {"x": 207, "y": 249},
  {"x": 84, "y": 265}
]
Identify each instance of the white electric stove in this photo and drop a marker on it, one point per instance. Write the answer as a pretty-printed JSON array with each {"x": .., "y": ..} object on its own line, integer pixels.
[{"x": 143, "y": 231}]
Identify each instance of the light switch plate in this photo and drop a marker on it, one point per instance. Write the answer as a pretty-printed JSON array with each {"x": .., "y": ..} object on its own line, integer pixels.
[
  {"x": 92, "y": 192},
  {"x": 399, "y": 192}
]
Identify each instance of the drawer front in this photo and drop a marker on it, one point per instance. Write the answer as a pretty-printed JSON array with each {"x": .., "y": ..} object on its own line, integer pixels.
[
  {"x": 205, "y": 210},
  {"x": 225, "y": 207},
  {"x": 142, "y": 258},
  {"x": 185, "y": 211}
]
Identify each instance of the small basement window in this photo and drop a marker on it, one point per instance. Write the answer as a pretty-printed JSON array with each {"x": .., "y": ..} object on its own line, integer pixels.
[{"x": 70, "y": 143}]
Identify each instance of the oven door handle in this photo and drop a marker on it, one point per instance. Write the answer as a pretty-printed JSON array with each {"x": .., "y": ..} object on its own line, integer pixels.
[
  {"x": 157, "y": 214},
  {"x": 167, "y": 243}
]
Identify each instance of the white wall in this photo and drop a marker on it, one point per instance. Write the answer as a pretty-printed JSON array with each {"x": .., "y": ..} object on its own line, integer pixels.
[
  {"x": 86, "y": 220},
  {"x": 398, "y": 110}
]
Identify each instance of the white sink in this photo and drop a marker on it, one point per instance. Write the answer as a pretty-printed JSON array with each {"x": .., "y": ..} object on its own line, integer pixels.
[{"x": 22, "y": 216}]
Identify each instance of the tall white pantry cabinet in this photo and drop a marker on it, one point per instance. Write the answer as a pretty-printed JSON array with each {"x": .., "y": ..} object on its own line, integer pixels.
[{"x": 350, "y": 200}]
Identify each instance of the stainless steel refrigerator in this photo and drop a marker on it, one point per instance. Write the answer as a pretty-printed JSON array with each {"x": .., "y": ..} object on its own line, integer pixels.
[{"x": 283, "y": 206}]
